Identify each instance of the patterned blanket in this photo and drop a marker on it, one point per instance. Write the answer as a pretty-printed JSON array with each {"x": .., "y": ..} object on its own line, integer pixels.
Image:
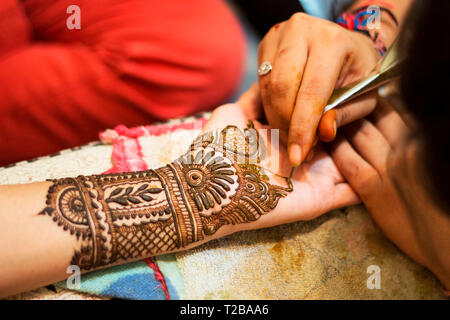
[{"x": 328, "y": 258}]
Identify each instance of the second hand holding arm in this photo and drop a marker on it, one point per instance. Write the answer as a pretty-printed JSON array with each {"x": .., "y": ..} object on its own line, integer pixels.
[{"x": 311, "y": 57}]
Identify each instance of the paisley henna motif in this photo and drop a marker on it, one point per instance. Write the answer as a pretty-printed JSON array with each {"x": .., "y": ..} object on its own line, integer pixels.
[{"x": 127, "y": 216}]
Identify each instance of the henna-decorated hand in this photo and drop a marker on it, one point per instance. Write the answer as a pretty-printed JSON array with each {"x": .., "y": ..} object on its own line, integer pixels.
[
  {"x": 227, "y": 181},
  {"x": 318, "y": 186},
  {"x": 219, "y": 186}
]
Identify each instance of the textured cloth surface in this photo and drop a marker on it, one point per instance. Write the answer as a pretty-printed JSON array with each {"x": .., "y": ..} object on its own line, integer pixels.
[{"x": 326, "y": 258}]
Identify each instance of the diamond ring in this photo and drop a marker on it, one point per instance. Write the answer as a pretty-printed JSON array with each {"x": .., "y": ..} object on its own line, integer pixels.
[{"x": 265, "y": 68}]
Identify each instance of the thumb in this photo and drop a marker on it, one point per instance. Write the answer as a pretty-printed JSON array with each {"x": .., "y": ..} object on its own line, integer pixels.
[{"x": 341, "y": 116}]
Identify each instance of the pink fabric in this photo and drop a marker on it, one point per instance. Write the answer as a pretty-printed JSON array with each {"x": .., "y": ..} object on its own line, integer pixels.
[
  {"x": 127, "y": 151},
  {"x": 152, "y": 263},
  {"x": 127, "y": 156}
]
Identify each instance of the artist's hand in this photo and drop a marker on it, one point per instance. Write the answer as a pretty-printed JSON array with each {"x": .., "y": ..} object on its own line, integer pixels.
[
  {"x": 318, "y": 185},
  {"x": 376, "y": 159},
  {"x": 310, "y": 58}
]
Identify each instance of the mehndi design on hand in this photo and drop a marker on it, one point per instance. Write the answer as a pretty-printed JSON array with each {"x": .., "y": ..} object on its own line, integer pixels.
[{"x": 127, "y": 216}]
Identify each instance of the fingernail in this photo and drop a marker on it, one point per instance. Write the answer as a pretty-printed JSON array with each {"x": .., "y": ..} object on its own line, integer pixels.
[
  {"x": 310, "y": 156},
  {"x": 295, "y": 155}
]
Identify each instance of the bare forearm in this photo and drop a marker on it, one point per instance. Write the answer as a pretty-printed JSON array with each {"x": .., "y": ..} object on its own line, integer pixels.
[
  {"x": 98, "y": 221},
  {"x": 32, "y": 251}
]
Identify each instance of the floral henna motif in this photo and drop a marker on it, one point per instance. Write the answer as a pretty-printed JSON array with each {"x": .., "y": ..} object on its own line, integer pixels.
[{"x": 126, "y": 216}]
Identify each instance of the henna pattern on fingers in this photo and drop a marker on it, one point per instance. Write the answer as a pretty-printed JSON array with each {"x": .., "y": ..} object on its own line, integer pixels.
[{"x": 127, "y": 216}]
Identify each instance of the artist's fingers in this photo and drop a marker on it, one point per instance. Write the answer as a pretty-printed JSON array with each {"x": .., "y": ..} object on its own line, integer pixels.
[
  {"x": 389, "y": 122},
  {"x": 286, "y": 51},
  {"x": 250, "y": 102},
  {"x": 268, "y": 46},
  {"x": 267, "y": 51},
  {"x": 345, "y": 114},
  {"x": 352, "y": 166},
  {"x": 279, "y": 88},
  {"x": 368, "y": 141},
  {"x": 319, "y": 80}
]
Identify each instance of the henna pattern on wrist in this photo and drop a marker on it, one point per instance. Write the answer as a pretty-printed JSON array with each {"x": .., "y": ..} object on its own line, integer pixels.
[{"x": 127, "y": 216}]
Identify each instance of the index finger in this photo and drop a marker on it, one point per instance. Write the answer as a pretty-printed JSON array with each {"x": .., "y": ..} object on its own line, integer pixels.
[{"x": 319, "y": 80}]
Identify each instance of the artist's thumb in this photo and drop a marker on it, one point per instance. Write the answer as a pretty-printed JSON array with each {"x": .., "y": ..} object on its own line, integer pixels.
[{"x": 347, "y": 113}]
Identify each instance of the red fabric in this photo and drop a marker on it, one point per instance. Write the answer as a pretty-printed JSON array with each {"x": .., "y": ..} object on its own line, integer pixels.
[
  {"x": 152, "y": 263},
  {"x": 132, "y": 62}
]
